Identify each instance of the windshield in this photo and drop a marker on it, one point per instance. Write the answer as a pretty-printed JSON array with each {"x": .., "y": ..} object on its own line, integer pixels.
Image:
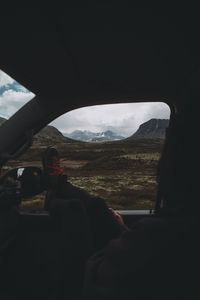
[{"x": 12, "y": 96}]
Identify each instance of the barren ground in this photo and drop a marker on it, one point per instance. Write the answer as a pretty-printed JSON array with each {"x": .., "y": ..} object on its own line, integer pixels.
[{"x": 123, "y": 173}]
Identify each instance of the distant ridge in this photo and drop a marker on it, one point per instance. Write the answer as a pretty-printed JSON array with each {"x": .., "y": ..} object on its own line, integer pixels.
[
  {"x": 89, "y": 136},
  {"x": 154, "y": 128}
]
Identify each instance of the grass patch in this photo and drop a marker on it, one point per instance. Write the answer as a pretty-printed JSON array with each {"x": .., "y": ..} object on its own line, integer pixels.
[{"x": 123, "y": 173}]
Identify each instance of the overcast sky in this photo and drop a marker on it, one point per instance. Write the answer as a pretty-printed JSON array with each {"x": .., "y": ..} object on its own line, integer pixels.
[{"x": 123, "y": 119}]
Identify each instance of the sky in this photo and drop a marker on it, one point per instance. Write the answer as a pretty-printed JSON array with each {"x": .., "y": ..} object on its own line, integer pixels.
[
  {"x": 12, "y": 95},
  {"x": 123, "y": 119}
]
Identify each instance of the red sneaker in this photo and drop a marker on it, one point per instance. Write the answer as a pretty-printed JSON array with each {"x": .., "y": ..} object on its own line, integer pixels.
[{"x": 51, "y": 165}]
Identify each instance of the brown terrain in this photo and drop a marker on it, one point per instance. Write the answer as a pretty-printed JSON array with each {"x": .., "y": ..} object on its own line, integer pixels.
[{"x": 122, "y": 172}]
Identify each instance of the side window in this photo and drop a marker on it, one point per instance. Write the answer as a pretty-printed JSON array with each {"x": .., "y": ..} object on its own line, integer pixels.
[
  {"x": 111, "y": 151},
  {"x": 12, "y": 96}
]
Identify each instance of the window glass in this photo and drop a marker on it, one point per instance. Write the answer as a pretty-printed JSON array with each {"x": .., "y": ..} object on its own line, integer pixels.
[
  {"x": 12, "y": 96},
  {"x": 111, "y": 151}
]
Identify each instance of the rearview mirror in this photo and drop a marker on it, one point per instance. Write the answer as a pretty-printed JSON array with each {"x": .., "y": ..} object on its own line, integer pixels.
[{"x": 28, "y": 181}]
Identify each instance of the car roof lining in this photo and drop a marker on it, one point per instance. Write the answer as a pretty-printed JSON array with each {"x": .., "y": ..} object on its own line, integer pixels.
[
  {"x": 101, "y": 51},
  {"x": 85, "y": 55}
]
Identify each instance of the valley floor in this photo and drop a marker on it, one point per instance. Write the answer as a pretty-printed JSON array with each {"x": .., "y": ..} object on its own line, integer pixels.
[{"x": 123, "y": 173}]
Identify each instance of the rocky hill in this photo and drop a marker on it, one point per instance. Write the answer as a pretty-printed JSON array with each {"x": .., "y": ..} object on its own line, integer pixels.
[
  {"x": 47, "y": 136},
  {"x": 89, "y": 136},
  {"x": 154, "y": 128},
  {"x": 50, "y": 135}
]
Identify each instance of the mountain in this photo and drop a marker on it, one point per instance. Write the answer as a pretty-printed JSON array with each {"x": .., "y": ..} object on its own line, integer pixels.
[
  {"x": 89, "y": 136},
  {"x": 107, "y": 135},
  {"x": 50, "y": 135},
  {"x": 47, "y": 136},
  {"x": 80, "y": 135},
  {"x": 154, "y": 128}
]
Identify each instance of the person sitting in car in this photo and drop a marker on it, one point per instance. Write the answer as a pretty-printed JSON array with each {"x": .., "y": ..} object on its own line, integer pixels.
[
  {"x": 143, "y": 261},
  {"x": 104, "y": 222}
]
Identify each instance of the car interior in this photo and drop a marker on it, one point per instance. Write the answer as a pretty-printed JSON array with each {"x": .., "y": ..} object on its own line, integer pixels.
[{"x": 73, "y": 56}]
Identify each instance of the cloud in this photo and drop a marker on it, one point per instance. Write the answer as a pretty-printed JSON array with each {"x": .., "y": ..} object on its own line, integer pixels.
[
  {"x": 124, "y": 119},
  {"x": 11, "y": 101},
  {"x": 12, "y": 95},
  {"x": 5, "y": 80}
]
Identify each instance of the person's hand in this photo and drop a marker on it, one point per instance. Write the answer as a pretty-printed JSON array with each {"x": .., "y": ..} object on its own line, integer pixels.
[{"x": 118, "y": 216}]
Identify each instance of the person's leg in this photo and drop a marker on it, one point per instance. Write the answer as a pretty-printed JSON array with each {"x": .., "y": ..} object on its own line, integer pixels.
[{"x": 104, "y": 225}]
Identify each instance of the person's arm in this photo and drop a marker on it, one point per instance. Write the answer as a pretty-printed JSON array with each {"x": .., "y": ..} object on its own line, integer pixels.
[{"x": 119, "y": 218}]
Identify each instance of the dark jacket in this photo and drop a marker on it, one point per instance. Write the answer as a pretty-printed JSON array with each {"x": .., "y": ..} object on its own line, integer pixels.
[{"x": 155, "y": 259}]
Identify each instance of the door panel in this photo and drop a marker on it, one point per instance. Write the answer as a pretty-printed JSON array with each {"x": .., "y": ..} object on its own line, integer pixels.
[
  {"x": 132, "y": 216},
  {"x": 9, "y": 222}
]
